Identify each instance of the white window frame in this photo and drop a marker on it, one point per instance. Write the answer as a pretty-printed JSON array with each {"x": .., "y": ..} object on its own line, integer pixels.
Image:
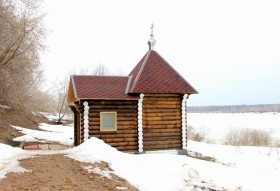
[{"x": 114, "y": 127}]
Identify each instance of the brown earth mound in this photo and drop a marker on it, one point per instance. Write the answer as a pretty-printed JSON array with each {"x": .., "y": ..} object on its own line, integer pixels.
[
  {"x": 19, "y": 117},
  {"x": 58, "y": 172}
]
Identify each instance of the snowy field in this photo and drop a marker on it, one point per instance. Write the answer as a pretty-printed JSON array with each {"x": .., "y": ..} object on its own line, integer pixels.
[
  {"x": 235, "y": 168},
  {"x": 217, "y": 125}
]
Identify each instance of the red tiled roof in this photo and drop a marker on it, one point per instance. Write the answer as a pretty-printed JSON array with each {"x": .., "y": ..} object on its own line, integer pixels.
[
  {"x": 135, "y": 71},
  {"x": 108, "y": 87},
  {"x": 154, "y": 75},
  {"x": 151, "y": 75}
]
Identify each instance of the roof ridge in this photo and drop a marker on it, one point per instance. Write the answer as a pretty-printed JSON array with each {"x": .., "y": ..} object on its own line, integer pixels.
[
  {"x": 176, "y": 71},
  {"x": 141, "y": 70},
  {"x": 128, "y": 84},
  {"x": 74, "y": 87},
  {"x": 99, "y": 76}
]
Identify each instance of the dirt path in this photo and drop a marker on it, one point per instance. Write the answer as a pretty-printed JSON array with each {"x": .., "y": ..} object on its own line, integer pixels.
[{"x": 58, "y": 172}]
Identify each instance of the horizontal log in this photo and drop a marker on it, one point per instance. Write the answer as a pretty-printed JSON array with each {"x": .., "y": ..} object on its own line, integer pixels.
[
  {"x": 156, "y": 147},
  {"x": 97, "y": 123},
  {"x": 119, "y": 131},
  {"x": 161, "y": 127},
  {"x": 119, "y": 123},
  {"x": 114, "y": 134},
  {"x": 164, "y": 118},
  {"x": 151, "y": 143},
  {"x": 147, "y": 111},
  {"x": 173, "y": 106},
  {"x": 162, "y": 138},
  {"x": 117, "y": 140},
  {"x": 119, "y": 128},
  {"x": 132, "y": 118},
  {"x": 159, "y": 134},
  {"x": 162, "y": 99},
  {"x": 120, "y": 144},
  {"x": 162, "y": 95},
  {"x": 126, "y": 110},
  {"x": 127, "y": 148},
  {"x": 178, "y": 113},
  {"x": 113, "y": 106},
  {"x": 162, "y": 102},
  {"x": 126, "y": 118},
  {"x": 102, "y": 136},
  {"x": 119, "y": 114},
  {"x": 154, "y": 130},
  {"x": 107, "y": 102},
  {"x": 150, "y": 122},
  {"x": 160, "y": 144}
]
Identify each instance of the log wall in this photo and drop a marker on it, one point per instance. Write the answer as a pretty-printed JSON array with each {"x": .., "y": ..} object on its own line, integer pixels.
[
  {"x": 75, "y": 124},
  {"x": 125, "y": 138},
  {"x": 162, "y": 121}
]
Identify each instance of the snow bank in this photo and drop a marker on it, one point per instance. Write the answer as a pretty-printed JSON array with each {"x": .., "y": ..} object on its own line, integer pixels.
[
  {"x": 147, "y": 171},
  {"x": 56, "y": 133},
  {"x": 9, "y": 160},
  {"x": 245, "y": 168},
  {"x": 134, "y": 168}
]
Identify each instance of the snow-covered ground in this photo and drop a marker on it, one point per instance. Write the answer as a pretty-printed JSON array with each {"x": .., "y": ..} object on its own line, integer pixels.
[
  {"x": 54, "y": 116},
  {"x": 217, "y": 125},
  {"x": 236, "y": 168},
  {"x": 245, "y": 168},
  {"x": 55, "y": 133},
  {"x": 9, "y": 157}
]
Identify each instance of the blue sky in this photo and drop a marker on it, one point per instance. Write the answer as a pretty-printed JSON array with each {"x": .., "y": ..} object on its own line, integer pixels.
[{"x": 229, "y": 50}]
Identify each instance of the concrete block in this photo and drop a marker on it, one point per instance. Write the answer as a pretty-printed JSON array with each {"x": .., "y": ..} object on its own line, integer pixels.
[
  {"x": 44, "y": 147},
  {"x": 57, "y": 147},
  {"x": 182, "y": 152}
]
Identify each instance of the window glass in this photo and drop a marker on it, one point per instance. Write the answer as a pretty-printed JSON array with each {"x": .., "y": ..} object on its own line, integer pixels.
[{"x": 108, "y": 121}]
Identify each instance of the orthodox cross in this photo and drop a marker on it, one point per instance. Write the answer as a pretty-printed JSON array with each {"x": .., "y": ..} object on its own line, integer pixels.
[{"x": 152, "y": 31}]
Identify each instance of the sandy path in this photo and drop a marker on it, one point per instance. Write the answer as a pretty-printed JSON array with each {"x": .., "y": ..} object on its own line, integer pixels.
[{"x": 58, "y": 172}]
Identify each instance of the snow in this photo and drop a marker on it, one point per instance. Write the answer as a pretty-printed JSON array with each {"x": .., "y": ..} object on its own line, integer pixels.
[
  {"x": 97, "y": 170},
  {"x": 26, "y": 138},
  {"x": 4, "y": 106},
  {"x": 249, "y": 168},
  {"x": 235, "y": 168},
  {"x": 216, "y": 125},
  {"x": 121, "y": 188},
  {"x": 134, "y": 167},
  {"x": 54, "y": 116},
  {"x": 9, "y": 160},
  {"x": 256, "y": 168},
  {"x": 54, "y": 133}
]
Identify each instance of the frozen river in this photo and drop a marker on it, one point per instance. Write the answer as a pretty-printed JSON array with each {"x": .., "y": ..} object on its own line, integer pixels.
[{"x": 217, "y": 125}]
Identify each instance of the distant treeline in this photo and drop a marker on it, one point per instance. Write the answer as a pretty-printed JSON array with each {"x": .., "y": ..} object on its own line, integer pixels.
[{"x": 235, "y": 108}]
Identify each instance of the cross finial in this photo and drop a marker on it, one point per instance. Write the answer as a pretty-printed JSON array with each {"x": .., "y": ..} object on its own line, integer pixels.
[
  {"x": 152, "y": 41},
  {"x": 152, "y": 31}
]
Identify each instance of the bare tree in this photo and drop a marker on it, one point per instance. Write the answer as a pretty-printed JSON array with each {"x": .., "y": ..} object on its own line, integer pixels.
[
  {"x": 21, "y": 40},
  {"x": 101, "y": 70},
  {"x": 60, "y": 89}
]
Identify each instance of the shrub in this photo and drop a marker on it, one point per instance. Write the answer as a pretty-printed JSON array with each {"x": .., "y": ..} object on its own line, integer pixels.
[
  {"x": 195, "y": 135},
  {"x": 248, "y": 137}
]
